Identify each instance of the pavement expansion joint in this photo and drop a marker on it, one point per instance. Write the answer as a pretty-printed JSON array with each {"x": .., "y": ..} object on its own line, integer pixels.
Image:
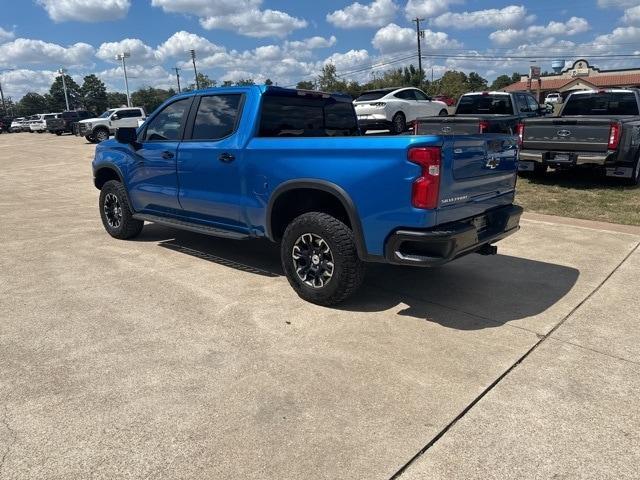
[{"x": 482, "y": 394}]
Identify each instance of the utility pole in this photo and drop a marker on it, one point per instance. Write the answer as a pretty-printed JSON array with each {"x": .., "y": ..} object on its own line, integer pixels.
[
  {"x": 193, "y": 59},
  {"x": 419, "y": 34},
  {"x": 121, "y": 57},
  {"x": 63, "y": 72},
  {"x": 178, "y": 78}
]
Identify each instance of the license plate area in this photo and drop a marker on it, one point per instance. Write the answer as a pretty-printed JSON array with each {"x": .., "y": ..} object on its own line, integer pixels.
[
  {"x": 562, "y": 158},
  {"x": 480, "y": 223}
]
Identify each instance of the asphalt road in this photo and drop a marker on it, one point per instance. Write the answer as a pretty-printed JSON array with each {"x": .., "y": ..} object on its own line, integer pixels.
[{"x": 179, "y": 356}]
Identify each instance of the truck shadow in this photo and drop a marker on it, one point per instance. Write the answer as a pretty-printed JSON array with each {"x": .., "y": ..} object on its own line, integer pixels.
[
  {"x": 471, "y": 293},
  {"x": 579, "y": 179}
]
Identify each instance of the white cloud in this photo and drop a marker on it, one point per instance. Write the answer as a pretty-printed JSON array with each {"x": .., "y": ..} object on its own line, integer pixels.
[
  {"x": 28, "y": 51},
  {"x": 350, "y": 60},
  {"x": 632, "y": 15},
  {"x": 139, "y": 76},
  {"x": 178, "y": 44},
  {"x": 510, "y": 16},
  {"x": 16, "y": 83},
  {"x": 428, "y": 8},
  {"x": 6, "y": 34},
  {"x": 311, "y": 43},
  {"x": 393, "y": 38},
  {"x": 242, "y": 16},
  {"x": 85, "y": 10},
  {"x": 617, "y": 39},
  {"x": 617, "y": 3},
  {"x": 236, "y": 75},
  {"x": 375, "y": 14},
  {"x": 141, "y": 54},
  {"x": 573, "y": 26}
]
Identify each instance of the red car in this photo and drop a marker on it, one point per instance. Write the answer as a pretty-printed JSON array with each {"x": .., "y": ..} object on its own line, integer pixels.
[{"x": 444, "y": 98}]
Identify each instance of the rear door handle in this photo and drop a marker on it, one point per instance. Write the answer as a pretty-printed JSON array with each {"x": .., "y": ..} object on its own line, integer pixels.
[
  {"x": 226, "y": 157},
  {"x": 167, "y": 155}
]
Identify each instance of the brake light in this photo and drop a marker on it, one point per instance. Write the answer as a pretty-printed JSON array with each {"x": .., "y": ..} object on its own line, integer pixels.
[
  {"x": 614, "y": 136},
  {"x": 483, "y": 126},
  {"x": 520, "y": 130},
  {"x": 426, "y": 188}
]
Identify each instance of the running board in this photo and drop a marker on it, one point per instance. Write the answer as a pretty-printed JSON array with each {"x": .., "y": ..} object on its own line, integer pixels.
[{"x": 190, "y": 226}]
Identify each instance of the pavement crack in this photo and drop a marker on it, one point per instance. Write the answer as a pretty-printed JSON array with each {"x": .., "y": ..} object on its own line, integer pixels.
[
  {"x": 542, "y": 339},
  {"x": 13, "y": 437}
]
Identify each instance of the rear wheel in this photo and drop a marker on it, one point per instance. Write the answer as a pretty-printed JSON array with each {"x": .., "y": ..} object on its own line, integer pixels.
[
  {"x": 320, "y": 259},
  {"x": 635, "y": 176},
  {"x": 443, "y": 113},
  {"x": 398, "y": 123},
  {"x": 58, "y": 133},
  {"x": 115, "y": 212}
]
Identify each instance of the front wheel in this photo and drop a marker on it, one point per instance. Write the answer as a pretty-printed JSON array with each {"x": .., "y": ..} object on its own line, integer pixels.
[
  {"x": 115, "y": 212},
  {"x": 320, "y": 259},
  {"x": 101, "y": 135}
]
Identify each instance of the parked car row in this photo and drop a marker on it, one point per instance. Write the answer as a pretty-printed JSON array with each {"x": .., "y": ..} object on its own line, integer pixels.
[{"x": 80, "y": 122}]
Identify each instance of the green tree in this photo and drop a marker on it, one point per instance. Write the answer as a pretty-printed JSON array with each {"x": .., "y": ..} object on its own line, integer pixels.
[
  {"x": 150, "y": 98},
  {"x": 245, "y": 82},
  {"x": 227, "y": 83},
  {"x": 268, "y": 82},
  {"x": 476, "y": 83},
  {"x": 94, "y": 94},
  {"x": 56, "y": 97},
  {"x": 114, "y": 100},
  {"x": 31, "y": 104},
  {"x": 305, "y": 85},
  {"x": 515, "y": 77},
  {"x": 453, "y": 84},
  {"x": 501, "y": 82},
  {"x": 203, "y": 82},
  {"x": 328, "y": 80}
]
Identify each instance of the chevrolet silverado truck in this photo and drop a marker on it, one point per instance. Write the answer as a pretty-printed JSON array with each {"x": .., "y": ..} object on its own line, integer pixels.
[
  {"x": 63, "y": 123},
  {"x": 597, "y": 128},
  {"x": 291, "y": 166},
  {"x": 99, "y": 129},
  {"x": 483, "y": 112}
]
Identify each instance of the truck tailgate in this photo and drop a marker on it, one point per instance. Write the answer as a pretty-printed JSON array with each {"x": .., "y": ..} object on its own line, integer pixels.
[
  {"x": 567, "y": 133},
  {"x": 479, "y": 173},
  {"x": 447, "y": 126}
]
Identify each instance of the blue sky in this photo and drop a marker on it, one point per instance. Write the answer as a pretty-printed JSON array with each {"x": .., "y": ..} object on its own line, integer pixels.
[{"x": 288, "y": 40}]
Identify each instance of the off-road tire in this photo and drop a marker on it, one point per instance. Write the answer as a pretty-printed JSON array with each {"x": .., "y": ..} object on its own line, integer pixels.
[
  {"x": 100, "y": 135},
  {"x": 398, "y": 123},
  {"x": 348, "y": 269},
  {"x": 128, "y": 227}
]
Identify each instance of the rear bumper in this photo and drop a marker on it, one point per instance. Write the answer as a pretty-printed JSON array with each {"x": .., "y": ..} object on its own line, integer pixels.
[
  {"x": 577, "y": 158},
  {"x": 374, "y": 124},
  {"x": 439, "y": 245}
]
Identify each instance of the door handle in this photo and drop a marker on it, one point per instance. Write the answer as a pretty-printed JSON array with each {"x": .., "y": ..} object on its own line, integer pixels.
[
  {"x": 226, "y": 157},
  {"x": 167, "y": 155}
]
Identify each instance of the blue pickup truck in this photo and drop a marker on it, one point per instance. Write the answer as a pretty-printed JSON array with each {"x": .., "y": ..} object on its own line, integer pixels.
[{"x": 292, "y": 166}]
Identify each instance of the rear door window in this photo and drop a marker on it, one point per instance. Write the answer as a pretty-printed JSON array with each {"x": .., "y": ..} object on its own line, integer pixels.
[
  {"x": 217, "y": 117},
  {"x": 306, "y": 116}
]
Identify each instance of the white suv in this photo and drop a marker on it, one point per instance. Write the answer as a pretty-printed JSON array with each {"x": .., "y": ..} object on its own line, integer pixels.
[
  {"x": 100, "y": 128},
  {"x": 395, "y": 109},
  {"x": 39, "y": 124}
]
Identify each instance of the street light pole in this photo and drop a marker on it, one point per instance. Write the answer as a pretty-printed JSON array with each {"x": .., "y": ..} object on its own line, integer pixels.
[
  {"x": 193, "y": 59},
  {"x": 178, "y": 78},
  {"x": 121, "y": 57},
  {"x": 63, "y": 72}
]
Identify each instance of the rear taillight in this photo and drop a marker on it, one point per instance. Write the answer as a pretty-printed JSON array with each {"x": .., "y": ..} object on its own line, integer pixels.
[
  {"x": 378, "y": 104},
  {"x": 426, "y": 188},
  {"x": 483, "y": 126},
  {"x": 614, "y": 136},
  {"x": 520, "y": 130}
]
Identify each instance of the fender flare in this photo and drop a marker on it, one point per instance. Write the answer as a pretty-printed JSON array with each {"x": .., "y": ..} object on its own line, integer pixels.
[{"x": 324, "y": 186}]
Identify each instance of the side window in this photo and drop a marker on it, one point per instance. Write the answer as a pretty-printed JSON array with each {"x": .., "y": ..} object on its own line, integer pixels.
[
  {"x": 405, "y": 95},
  {"x": 533, "y": 105},
  {"x": 419, "y": 95},
  {"x": 167, "y": 125},
  {"x": 216, "y": 117},
  {"x": 133, "y": 113},
  {"x": 523, "y": 105}
]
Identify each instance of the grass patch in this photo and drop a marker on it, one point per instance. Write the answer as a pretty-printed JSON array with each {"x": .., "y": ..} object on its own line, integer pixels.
[{"x": 580, "y": 193}]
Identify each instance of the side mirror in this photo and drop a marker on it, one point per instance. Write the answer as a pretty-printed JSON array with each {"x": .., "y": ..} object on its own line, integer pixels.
[
  {"x": 115, "y": 117},
  {"x": 128, "y": 135}
]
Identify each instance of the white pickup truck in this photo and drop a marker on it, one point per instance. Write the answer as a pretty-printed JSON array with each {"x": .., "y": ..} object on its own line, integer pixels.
[{"x": 98, "y": 129}]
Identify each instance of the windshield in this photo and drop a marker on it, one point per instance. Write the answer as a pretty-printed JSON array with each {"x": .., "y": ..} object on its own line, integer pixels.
[
  {"x": 484, "y": 104},
  {"x": 46, "y": 117},
  {"x": 368, "y": 96},
  {"x": 106, "y": 114},
  {"x": 611, "y": 103}
]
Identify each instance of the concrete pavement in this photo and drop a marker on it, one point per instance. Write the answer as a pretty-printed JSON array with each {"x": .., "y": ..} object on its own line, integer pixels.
[{"x": 183, "y": 356}]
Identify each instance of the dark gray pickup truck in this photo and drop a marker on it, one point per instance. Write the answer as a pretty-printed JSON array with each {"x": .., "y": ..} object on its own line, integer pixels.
[
  {"x": 598, "y": 128},
  {"x": 483, "y": 112}
]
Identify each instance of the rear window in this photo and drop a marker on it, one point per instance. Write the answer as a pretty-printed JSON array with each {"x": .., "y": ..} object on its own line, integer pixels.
[
  {"x": 306, "y": 116},
  {"x": 368, "y": 96},
  {"x": 485, "y": 104},
  {"x": 612, "y": 103}
]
